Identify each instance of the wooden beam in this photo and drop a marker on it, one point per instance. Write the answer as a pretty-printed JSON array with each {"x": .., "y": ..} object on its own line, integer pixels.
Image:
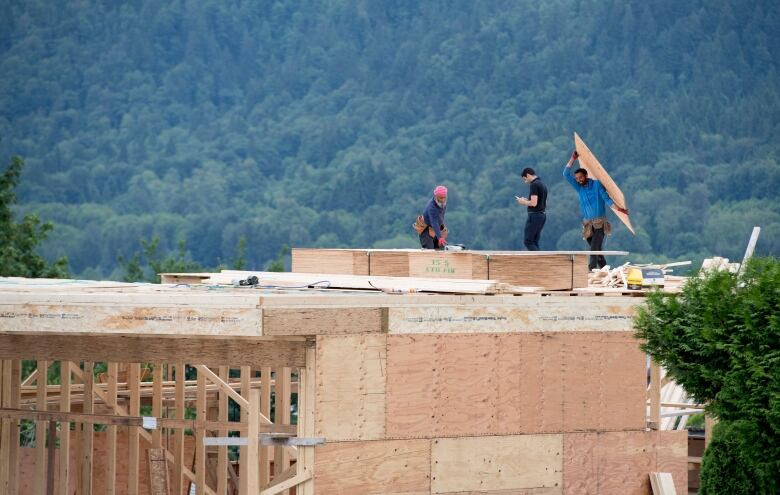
[
  {"x": 306, "y": 421},
  {"x": 265, "y": 410},
  {"x": 274, "y": 351},
  {"x": 282, "y": 416},
  {"x": 243, "y": 456},
  {"x": 5, "y": 425},
  {"x": 157, "y": 378},
  {"x": 158, "y": 472},
  {"x": 14, "y": 454},
  {"x": 210, "y": 375},
  {"x": 323, "y": 321},
  {"x": 655, "y": 395}
]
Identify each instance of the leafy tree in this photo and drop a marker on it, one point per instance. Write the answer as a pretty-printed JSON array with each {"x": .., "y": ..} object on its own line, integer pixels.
[
  {"x": 155, "y": 264},
  {"x": 277, "y": 265},
  {"x": 18, "y": 241},
  {"x": 720, "y": 339}
]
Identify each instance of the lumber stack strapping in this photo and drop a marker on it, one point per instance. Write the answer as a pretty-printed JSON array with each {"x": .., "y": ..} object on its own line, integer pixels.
[{"x": 390, "y": 284}]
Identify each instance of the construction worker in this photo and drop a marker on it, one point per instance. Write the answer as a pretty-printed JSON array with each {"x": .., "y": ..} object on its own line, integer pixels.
[
  {"x": 536, "y": 203},
  {"x": 593, "y": 197},
  {"x": 430, "y": 225}
]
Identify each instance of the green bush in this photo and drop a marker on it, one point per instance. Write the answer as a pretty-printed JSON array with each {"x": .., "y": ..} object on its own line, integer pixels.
[
  {"x": 731, "y": 466},
  {"x": 720, "y": 340}
]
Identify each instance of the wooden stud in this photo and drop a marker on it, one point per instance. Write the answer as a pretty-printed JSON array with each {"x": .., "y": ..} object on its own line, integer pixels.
[
  {"x": 282, "y": 416},
  {"x": 64, "y": 429},
  {"x": 133, "y": 448},
  {"x": 252, "y": 450},
  {"x": 13, "y": 453},
  {"x": 110, "y": 400},
  {"x": 200, "y": 448},
  {"x": 5, "y": 428},
  {"x": 307, "y": 388},
  {"x": 178, "y": 442},
  {"x": 50, "y": 490},
  {"x": 157, "y": 378},
  {"x": 222, "y": 452},
  {"x": 265, "y": 410},
  {"x": 85, "y": 474},
  {"x": 655, "y": 395},
  {"x": 158, "y": 472},
  {"x": 243, "y": 454},
  {"x": 40, "y": 430}
]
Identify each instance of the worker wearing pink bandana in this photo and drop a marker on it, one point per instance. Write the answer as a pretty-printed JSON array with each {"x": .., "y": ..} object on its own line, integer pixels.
[{"x": 434, "y": 235}]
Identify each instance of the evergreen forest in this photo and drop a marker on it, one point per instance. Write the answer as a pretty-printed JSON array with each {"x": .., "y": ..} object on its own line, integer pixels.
[{"x": 191, "y": 125}]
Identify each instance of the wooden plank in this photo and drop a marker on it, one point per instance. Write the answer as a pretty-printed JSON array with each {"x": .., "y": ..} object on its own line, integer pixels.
[
  {"x": 64, "y": 466},
  {"x": 133, "y": 448},
  {"x": 40, "y": 430},
  {"x": 158, "y": 472},
  {"x": 655, "y": 394},
  {"x": 418, "y": 284},
  {"x": 87, "y": 442},
  {"x": 323, "y": 321},
  {"x": 350, "y": 399},
  {"x": 374, "y": 467},
  {"x": 596, "y": 171},
  {"x": 525, "y": 314},
  {"x": 288, "y": 351},
  {"x": 115, "y": 319},
  {"x": 496, "y": 463},
  {"x": 662, "y": 484},
  {"x": 110, "y": 400}
]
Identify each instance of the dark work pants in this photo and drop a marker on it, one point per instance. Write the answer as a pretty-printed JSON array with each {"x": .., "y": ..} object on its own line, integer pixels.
[
  {"x": 533, "y": 229},
  {"x": 428, "y": 242},
  {"x": 595, "y": 242}
]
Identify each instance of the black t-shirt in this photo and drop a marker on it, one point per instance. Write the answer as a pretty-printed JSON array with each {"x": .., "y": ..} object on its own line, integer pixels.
[{"x": 540, "y": 191}]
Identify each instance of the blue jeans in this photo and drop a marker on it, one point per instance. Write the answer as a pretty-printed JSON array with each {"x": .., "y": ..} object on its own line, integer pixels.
[{"x": 533, "y": 229}]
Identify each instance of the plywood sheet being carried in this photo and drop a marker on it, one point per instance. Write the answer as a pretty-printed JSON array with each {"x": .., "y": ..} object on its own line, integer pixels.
[
  {"x": 479, "y": 384},
  {"x": 343, "y": 261},
  {"x": 619, "y": 462},
  {"x": 596, "y": 171},
  {"x": 351, "y": 373},
  {"x": 495, "y": 463},
  {"x": 395, "y": 467}
]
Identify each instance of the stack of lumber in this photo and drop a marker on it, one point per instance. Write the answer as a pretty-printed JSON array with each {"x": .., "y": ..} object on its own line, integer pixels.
[
  {"x": 617, "y": 277},
  {"x": 282, "y": 280},
  {"x": 719, "y": 264},
  {"x": 550, "y": 270}
]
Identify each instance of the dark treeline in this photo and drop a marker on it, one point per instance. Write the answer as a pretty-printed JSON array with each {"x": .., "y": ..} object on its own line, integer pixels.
[{"x": 328, "y": 123}]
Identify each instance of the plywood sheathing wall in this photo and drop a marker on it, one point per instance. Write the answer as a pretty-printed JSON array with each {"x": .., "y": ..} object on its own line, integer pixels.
[
  {"x": 456, "y": 385},
  {"x": 607, "y": 463}
]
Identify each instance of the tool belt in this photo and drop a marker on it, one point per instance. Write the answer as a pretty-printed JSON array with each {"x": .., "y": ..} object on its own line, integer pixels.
[
  {"x": 419, "y": 226},
  {"x": 595, "y": 223}
]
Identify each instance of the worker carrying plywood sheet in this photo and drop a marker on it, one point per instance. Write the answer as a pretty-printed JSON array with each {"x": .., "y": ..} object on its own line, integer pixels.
[
  {"x": 430, "y": 225},
  {"x": 593, "y": 197}
]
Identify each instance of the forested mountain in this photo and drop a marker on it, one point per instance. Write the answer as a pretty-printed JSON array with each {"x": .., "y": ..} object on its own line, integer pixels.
[{"x": 328, "y": 123}]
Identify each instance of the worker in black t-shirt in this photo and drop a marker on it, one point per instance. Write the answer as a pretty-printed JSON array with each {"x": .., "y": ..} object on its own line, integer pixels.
[{"x": 536, "y": 203}]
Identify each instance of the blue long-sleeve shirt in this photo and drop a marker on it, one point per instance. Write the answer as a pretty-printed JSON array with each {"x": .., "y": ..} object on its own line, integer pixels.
[
  {"x": 434, "y": 216},
  {"x": 592, "y": 196}
]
